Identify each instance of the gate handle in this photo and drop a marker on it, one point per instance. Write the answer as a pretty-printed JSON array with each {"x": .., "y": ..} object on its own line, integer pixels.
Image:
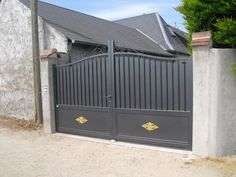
[{"x": 108, "y": 96}]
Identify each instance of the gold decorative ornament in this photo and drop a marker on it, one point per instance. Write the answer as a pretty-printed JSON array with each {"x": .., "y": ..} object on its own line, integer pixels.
[
  {"x": 81, "y": 120},
  {"x": 149, "y": 126}
]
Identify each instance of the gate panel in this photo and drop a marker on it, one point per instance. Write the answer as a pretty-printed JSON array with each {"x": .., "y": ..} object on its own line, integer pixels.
[
  {"x": 126, "y": 96},
  {"x": 83, "y": 83},
  {"x": 82, "y": 104},
  {"x": 155, "y": 92},
  {"x": 98, "y": 121},
  {"x": 154, "y": 83},
  {"x": 172, "y": 128}
]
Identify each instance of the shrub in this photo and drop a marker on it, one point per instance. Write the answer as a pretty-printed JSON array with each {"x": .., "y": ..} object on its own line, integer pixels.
[
  {"x": 225, "y": 34},
  {"x": 218, "y": 16}
]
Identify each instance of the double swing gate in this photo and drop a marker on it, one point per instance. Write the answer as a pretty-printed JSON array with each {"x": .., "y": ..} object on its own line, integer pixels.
[{"x": 126, "y": 97}]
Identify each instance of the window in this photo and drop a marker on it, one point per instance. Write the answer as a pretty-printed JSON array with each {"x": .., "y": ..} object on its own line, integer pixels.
[{"x": 171, "y": 32}]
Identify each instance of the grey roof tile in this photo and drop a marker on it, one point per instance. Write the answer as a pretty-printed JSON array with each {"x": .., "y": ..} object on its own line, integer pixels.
[
  {"x": 85, "y": 28},
  {"x": 149, "y": 24},
  {"x": 175, "y": 40}
]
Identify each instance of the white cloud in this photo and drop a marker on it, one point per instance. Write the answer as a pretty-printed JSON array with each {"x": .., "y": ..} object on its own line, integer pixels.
[{"x": 127, "y": 10}]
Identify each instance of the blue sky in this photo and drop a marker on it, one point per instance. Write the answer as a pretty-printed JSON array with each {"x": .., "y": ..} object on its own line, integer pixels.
[{"x": 117, "y": 9}]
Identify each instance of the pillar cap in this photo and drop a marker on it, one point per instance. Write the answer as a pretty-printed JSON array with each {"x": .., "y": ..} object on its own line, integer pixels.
[
  {"x": 201, "y": 38},
  {"x": 46, "y": 53}
]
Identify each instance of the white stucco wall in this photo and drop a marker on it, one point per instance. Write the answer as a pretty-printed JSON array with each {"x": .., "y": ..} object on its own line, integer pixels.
[
  {"x": 16, "y": 77},
  {"x": 225, "y": 100},
  {"x": 214, "y": 101},
  {"x": 54, "y": 39}
]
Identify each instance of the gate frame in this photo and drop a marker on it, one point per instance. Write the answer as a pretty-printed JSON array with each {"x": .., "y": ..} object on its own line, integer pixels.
[
  {"x": 112, "y": 84},
  {"x": 47, "y": 87}
]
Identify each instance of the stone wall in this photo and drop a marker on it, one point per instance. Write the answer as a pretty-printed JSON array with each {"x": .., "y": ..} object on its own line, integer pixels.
[{"x": 16, "y": 75}]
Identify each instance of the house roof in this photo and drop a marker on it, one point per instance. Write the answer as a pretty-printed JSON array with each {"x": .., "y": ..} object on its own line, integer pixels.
[
  {"x": 154, "y": 26},
  {"x": 88, "y": 29}
]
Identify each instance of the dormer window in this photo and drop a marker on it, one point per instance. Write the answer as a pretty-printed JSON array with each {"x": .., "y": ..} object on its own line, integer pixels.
[{"x": 171, "y": 32}]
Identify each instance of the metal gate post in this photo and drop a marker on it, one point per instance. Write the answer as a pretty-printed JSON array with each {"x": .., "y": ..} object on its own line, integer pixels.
[{"x": 112, "y": 86}]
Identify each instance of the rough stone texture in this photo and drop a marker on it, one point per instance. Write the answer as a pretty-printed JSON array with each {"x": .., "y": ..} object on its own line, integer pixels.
[
  {"x": 16, "y": 76},
  {"x": 214, "y": 102}
]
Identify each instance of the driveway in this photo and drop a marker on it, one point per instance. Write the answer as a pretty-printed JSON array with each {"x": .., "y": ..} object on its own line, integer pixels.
[{"x": 31, "y": 153}]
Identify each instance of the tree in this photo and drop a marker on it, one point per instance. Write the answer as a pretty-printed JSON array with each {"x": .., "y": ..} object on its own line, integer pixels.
[{"x": 218, "y": 16}]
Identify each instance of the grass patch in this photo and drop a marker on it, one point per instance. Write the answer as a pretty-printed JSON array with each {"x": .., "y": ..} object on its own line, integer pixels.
[
  {"x": 227, "y": 167},
  {"x": 19, "y": 124}
]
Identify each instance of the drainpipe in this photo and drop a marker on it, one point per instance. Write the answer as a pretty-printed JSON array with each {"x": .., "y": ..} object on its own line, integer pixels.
[{"x": 36, "y": 61}]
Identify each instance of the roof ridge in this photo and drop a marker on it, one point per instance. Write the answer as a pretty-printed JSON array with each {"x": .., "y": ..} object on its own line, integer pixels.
[
  {"x": 160, "y": 22},
  {"x": 151, "y": 39},
  {"x": 153, "y": 13}
]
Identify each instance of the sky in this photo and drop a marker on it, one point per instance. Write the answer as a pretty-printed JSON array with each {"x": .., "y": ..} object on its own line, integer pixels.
[{"x": 118, "y": 9}]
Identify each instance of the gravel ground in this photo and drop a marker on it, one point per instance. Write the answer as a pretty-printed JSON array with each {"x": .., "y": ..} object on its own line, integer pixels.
[{"x": 31, "y": 153}]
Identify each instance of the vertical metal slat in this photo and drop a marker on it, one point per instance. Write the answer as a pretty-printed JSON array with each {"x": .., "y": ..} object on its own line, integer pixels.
[
  {"x": 127, "y": 83},
  {"x": 83, "y": 84},
  {"x": 170, "y": 85},
  {"x": 72, "y": 97},
  {"x": 147, "y": 83},
  {"x": 137, "y": 83},
  {"x": 95, "y": 84},
  {"x": 164, "y": 85},
  {"x": 132, "y": 82},
  {"x": 158, "y": 85},
  {"x": 153, "y": 84},
  {"x": 117, "y": 81},
  {"x": 142, "y": 83},
  {"x": 99, "y": 76},
  {"x": 182, "y": 86},
  {"x": 122, "y": 82},
  {"x": 91, "y": 86}
]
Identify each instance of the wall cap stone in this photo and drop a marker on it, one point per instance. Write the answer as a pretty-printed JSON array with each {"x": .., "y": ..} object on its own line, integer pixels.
[
  {"x": 46, "y": 53},
  {"x": 201, "y": 38}
]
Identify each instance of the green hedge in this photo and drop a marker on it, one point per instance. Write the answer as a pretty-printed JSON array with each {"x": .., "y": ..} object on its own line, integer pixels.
[
  {"x": 233, "y": 68},
  {"x": 218, "y": 16}
]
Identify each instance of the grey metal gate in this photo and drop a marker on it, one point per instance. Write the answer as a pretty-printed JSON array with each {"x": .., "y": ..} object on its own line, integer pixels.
[{"x": 128, "y": 97}]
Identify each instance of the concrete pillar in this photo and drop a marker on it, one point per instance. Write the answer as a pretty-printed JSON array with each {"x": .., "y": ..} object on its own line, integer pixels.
[
  {"x": 201, "y": 92},
  {"x": 48, "y": 58},
  {"x": 214, "y": 94}
]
